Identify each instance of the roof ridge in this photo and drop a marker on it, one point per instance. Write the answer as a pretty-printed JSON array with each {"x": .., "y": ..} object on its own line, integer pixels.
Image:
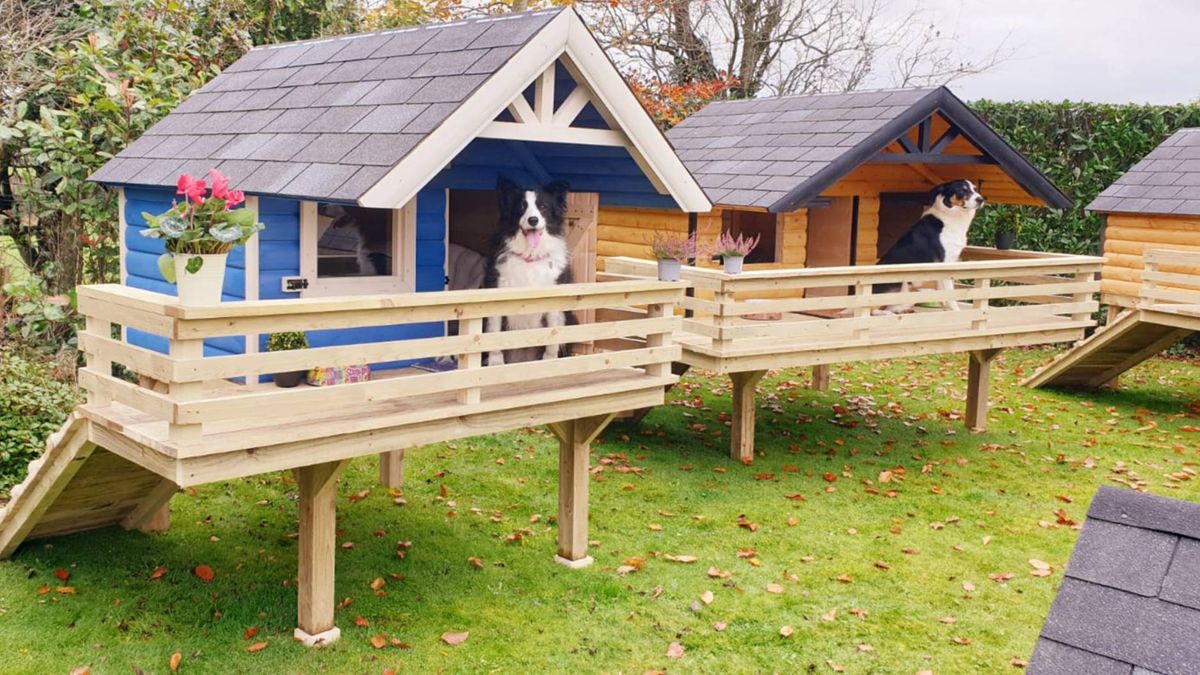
[
  {"x": 853, "y": 92},
  {"x": 409, "y": 29}
]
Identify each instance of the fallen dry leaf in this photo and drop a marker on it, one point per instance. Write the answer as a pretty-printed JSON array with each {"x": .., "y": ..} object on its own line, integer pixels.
[
  {"x": 451, "y": 638},
  {"x": 675, "y": 650},
  {"x": 256, "y": 647},
  {"x": 379, "y": 641},
  {"x": 204, "y": 573},
  {"x": 707, "y": 597},
  {"x": 377, "y": 583},
  {"x": 475, "y": 562},
  {"x": 158, "y": 573},
  {"x": 681, "y": 558},
  {"x": 250, "y": 632},
  {"x": 62, "y": 575},
  {"x": 786, "y": 631},
  {"x": 968, "y": 587},
  {"x": 720, "y": 626},
  {"x": 774, "y": 588},
  {"x": 361, "y": 622},
  {"x": 176, "y": 659},
  {"x": 831, "y": 615}
]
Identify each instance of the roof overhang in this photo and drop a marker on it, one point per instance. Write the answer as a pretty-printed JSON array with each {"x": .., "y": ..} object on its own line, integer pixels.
[
  {"x": 566, "y": 39},
  {"x": 940, "y": 101}
]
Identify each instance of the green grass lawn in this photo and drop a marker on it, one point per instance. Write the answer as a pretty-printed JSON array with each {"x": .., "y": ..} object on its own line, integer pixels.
[{"x": 929, "y": 570}]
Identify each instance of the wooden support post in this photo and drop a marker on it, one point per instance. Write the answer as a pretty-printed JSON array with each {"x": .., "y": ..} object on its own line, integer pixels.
[
  {"x": 574, "y": 444},
  {"x": 154, "y": 513},
  {"x": 978, "y": 367},
  {"x": 391, "y": 469},
  {"x": 741, "y": 442},
  {"x": 318, "y": 535},
  {"x": 820, "y": 377}
]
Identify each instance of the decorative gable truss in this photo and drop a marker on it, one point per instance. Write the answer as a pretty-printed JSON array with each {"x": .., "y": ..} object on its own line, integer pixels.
[{"x": 546, "y": 122}]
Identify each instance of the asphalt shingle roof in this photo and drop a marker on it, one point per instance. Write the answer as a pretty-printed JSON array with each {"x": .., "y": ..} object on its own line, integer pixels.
[
  {"x": 1165, "y": 182},
  {"x": 753, "y": 152},
  {"x": 324, "y": 119},
  {"x": 1130, "y": 600},
  {"x": 778, "y": 152}
]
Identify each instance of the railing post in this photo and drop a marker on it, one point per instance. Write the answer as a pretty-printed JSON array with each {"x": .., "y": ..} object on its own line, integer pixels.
[
  {"x": 185, "y": 391},
  {"x": 99, "y": 328},
  {"x": 657, "y": 311},
  {"x": 1149, "y": 264},
  {"x": 470, "y": 360},
  {"x": 1083, "y": 296},
  {"x": 720, "y": 320},
  {"x": 981, "y": 304},
  {"x": 862, "y": 291}
]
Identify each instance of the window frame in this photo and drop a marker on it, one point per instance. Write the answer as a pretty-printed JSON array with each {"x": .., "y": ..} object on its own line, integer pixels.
[{"x": 404, "y": 258}]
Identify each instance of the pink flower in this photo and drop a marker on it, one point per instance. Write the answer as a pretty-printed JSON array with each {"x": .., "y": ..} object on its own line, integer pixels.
[
  {"x": 220, "y": 184},
  {"x": 191, "y": 188},
  {"x": 232, "y": 198}
]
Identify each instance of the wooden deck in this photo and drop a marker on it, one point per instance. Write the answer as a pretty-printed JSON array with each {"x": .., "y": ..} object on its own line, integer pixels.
[
  {"x": 1168, "y": 310},
  {"x": 192, "y": 419},
  {"x": 743, "y": 325}
]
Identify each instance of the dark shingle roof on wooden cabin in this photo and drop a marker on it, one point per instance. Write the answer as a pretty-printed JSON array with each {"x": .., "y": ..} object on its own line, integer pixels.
[
  {"x": 1130, "y": 599},
  {"x": 1165, "y": 182},
  {"x": 778, "y": 153},
  {"x": 324, "y": 118}
]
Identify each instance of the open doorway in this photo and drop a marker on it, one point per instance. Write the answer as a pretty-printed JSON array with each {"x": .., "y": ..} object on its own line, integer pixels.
[
  {"x": 898, "y": 212},
  {"x": 759, "y": 224}
]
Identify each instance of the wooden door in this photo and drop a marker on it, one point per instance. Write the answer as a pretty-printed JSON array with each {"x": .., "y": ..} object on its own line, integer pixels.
[{"x": 581, "y": 217}]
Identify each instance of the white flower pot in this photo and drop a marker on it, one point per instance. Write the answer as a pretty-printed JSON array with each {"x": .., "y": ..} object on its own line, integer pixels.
[
  {"x": 733, "y": 264},
  {"x": 202, "y": 287},
  {"x": 668, "y": 270}
]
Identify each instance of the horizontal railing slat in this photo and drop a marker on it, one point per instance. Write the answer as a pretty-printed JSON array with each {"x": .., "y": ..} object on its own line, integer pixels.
[{"x": 318, "y": 399}]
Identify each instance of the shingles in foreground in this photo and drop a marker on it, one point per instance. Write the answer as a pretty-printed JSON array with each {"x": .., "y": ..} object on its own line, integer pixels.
[{"x": 1129, "y": 602}]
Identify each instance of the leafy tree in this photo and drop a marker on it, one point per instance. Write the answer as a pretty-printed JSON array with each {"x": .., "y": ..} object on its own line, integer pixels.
[{"x": 123, "y": 66}]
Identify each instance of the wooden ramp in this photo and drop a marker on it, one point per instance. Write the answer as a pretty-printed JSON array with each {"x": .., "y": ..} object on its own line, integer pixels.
[
  {"x": 1169, "y": 311},
  {"x": 1113, "y": 349},
  {"x": 76, "y": 486}
]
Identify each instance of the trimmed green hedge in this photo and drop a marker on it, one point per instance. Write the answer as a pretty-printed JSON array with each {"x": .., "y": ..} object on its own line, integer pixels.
[
  {"x": 33, "y": 405},
  {"x": 1082, "y": 148}
]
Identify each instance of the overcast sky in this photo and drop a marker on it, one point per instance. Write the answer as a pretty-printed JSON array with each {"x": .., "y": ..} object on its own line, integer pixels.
[{"x": 1117, "y": 51}]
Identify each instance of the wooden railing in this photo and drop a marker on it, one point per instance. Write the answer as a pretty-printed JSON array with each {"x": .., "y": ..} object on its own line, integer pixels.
[
  {"x": 189, "y": 391},
  {"x": 1015, "y": 293},
  {"x": 1170, "y": 277}
]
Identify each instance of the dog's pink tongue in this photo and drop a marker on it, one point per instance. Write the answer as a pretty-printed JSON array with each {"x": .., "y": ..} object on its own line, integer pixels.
[{"x": 533, "y": 237}]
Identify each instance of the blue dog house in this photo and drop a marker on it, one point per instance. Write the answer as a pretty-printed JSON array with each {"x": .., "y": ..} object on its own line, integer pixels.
[{"x": 371, "y": 159}]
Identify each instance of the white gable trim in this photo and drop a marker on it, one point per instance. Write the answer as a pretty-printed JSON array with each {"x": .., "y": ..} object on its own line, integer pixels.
[{"x": 565, "y": 34}]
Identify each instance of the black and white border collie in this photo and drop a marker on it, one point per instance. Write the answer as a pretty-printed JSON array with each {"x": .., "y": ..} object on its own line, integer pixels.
[
  {"x": 939, "y": 236},
  {"x": 530, "y": 250}
]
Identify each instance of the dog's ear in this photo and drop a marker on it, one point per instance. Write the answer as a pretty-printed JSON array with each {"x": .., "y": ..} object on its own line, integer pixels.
[
  {"x": 939, "y": 192},
  {"x": 507, "y": 193},
  {"x": 557, "y": 190}
]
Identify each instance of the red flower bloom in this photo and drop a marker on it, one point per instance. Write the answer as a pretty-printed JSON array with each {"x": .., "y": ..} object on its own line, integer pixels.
[
  {"x": 232, "y": 198},
  {"x": 191, "y": 188},
  {"x": 220, "y": 184}
]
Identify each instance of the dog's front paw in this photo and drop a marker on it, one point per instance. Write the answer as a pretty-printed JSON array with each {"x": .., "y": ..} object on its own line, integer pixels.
[
  {"x": 495, "y": 358},
  {"x": 550, "y": 352}
]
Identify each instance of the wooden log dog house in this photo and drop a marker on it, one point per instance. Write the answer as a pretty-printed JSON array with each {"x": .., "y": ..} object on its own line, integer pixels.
[{"x": 830, "y": 182}]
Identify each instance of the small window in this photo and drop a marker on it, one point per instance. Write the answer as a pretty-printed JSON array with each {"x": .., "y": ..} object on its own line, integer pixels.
[
  {"x": 355, "y": 241},
  {"x": 353, "y": 250}
]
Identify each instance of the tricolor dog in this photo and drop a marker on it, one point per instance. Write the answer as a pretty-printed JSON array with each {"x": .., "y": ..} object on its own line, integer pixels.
[
  {"x": 529, "y": 250},
  {"x": 939, "y": 236}
]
